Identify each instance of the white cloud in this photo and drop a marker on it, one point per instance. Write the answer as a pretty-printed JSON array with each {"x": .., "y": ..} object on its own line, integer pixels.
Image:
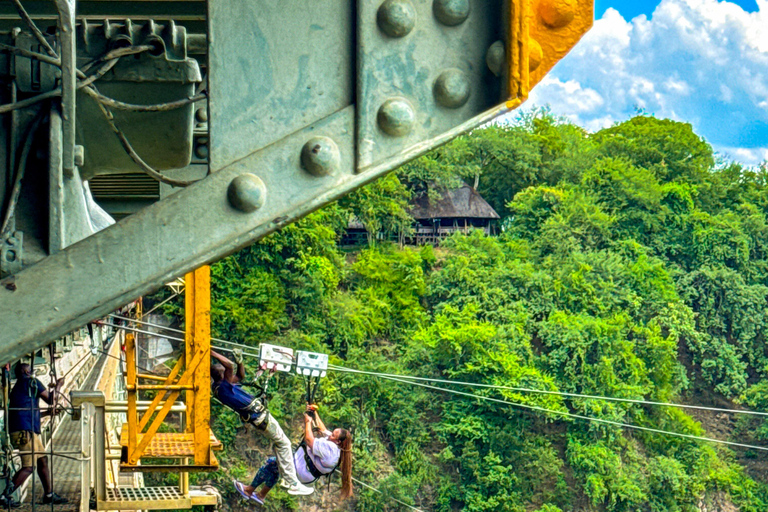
[{"x": 700, "y": 61}]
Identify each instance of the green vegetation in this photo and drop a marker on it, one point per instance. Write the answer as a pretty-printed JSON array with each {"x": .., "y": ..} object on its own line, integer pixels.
[{"x": 632, "y": 264}]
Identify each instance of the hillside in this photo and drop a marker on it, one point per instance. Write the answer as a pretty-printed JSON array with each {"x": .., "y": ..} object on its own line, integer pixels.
[{"x": 633, "y": 263}]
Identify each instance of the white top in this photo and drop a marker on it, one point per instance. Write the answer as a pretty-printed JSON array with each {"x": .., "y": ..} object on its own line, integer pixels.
[{"x": 325, "y": 455}]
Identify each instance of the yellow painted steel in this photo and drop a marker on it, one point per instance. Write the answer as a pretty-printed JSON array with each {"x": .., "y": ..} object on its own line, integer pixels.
[
  {"x": 198, "y": 341},
  {"x": 190, "y": 375},
  {"x": 541, "y": 33},
  {"x": 132, "y": 396}
]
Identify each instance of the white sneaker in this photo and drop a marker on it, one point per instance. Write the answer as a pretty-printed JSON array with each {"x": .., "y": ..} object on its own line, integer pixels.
[{"x": 300, "y": 489}]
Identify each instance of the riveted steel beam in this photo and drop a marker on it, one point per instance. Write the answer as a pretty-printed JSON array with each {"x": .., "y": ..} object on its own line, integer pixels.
[{"x": 299, "y": 116}]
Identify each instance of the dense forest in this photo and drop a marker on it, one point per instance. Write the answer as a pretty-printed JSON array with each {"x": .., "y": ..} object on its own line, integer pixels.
[{"x": 630, "y": 263}]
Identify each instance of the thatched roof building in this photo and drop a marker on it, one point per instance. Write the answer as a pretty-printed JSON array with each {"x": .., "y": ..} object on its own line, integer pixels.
[
  {"x": 461, "y": 209},
  {"x": 460, "y": 203}
]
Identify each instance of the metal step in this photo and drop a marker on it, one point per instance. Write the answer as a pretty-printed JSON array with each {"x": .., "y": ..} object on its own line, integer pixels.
[{"x": 145, "y": 498}]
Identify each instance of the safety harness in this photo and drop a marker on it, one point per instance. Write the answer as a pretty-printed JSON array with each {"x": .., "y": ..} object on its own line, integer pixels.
[{"x": 316, "y": 473}]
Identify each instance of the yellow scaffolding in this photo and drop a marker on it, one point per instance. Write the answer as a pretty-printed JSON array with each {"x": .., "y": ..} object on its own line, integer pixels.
[{"x": 193, "y": 448}]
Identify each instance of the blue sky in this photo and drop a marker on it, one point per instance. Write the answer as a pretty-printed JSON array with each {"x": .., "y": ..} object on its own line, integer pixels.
[
  {"x": 704, "y": 62},
  {"x": 632, "y": 8}
]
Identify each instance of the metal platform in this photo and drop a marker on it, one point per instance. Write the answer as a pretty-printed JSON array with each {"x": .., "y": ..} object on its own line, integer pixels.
[
  {"x": 145, "y": 498},
  {"x": 167, "y": 446}
]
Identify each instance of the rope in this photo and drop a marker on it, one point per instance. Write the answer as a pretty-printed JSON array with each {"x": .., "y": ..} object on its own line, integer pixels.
[
  {"x": 546, "y": 392},
  {"x": 579, "y": 416},
  {"x": 390, "y": 497}
]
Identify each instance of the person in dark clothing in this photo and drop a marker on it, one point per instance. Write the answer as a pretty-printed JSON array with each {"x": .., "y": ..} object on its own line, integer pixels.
[
  {"x": 24, "y": 428},
  {"x": 225, "y": 387}
]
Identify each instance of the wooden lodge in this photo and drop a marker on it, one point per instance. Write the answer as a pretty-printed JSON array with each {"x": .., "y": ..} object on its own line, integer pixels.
[{"x": 461, "y": 209}]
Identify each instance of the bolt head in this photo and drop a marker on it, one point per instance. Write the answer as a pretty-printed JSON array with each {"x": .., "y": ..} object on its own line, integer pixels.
[
  {"x": 201, "y": 148},
  {"x": 557, "y": 13},
  {"x": 451, "y": 12},
  {"x": 396, "y": 18},
  {"x": 452, "y": 89},
  {"x": 396, "y": 117},
  {"x": 320, "y": 156},
  {"x": 494, "y": 57},
  {"x": 535, "y": 54},
  {"x": 247, "y": 193},
  {"x": 201, "y": 115}
]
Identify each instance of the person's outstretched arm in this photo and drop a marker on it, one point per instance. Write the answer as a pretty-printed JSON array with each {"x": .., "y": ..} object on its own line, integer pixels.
[
  {"x": 309, "y": 437},
  {"x": 229, "y": 367},
  {"x": 319, "y": 422}
]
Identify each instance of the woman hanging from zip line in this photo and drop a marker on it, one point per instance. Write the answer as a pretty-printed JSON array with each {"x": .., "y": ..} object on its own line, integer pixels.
[{"x": 315, "y": 457}]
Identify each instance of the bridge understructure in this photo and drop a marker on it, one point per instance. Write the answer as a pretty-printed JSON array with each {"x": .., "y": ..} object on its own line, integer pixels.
[{"x": 144, "y": 140}]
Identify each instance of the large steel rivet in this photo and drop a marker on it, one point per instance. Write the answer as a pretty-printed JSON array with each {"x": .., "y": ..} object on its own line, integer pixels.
[
  {"x": 494, "y": 57},
  {"x": 320, "y": 156},
  {"x": 451, "y": 12},
  {"x": 535, "y": 54},
  {"x": 201, "y": 115},
  {"x": 201, "y": 148},
  {"x": 557, "y": 13},
  {"x": 396, "y": 117},
  {"x": 247, "y": 193},
  {"x": 452, "y": 88},
  {"x": 396, "y": 18}
]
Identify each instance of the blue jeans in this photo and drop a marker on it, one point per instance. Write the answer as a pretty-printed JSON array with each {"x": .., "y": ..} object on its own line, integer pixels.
[{"x": 267, "y": 474}]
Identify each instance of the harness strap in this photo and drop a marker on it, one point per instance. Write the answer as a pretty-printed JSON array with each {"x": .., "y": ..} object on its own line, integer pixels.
[{"x": 313, "y": 468}]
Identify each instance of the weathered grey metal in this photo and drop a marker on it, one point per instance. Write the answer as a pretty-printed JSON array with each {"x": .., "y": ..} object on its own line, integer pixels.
[
  {"x": 287, "y": 135},
  {"x": 274, "y": 68},
  {"x": 32, "y": 75},
  {"x": 192, "y": 227},
  {"x": 67, "y": 51},
  {"x": 451, "y": 12},
  {"x": 163, "y": 74},
  {"x": 396, "y": 117},
  {"x": 247, "y": 192},
  {"x": 396, "y": 18},
  {"x": 189, "y": 228},
  {"x": 452, "y": 89},
  {"x": 320, "y": 156},
  {"x": 72, "y": 213},
  {"x": 12, "y": 252},
  {"x": 403, "y": 72},
  {"x": 494, "y": 58}
]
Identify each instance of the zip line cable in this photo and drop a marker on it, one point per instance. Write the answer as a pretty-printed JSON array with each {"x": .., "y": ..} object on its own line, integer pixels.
[
  {"x": 579, "y": 416},
  {"x": 390, "y": 497},
  {"x": 175, "y": 338},
  {"x": 546, "y": 392},
  {"x": 157, "y": 306},
  {"x": 473, "y": 384},
  {"x": 180, "y": 331}
]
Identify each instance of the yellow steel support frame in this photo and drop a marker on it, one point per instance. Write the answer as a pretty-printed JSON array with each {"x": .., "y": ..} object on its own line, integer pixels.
[
  {"x": 195, "y": 380},
  {"x": 198, "y": 341}
]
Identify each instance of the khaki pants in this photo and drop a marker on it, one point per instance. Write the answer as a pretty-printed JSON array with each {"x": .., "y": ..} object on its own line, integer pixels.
[
  {"x": 283, "y": 451},
  {"x": 24, "y": 441}
]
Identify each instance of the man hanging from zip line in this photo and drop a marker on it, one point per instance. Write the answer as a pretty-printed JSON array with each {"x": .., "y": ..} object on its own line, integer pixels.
[
  {"x": 24, "y": 427},
  {"x": 225, "y": 386}
]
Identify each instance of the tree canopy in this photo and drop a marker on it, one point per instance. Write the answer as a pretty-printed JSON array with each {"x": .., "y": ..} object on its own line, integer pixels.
[{"x": 632, "y": 264}]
